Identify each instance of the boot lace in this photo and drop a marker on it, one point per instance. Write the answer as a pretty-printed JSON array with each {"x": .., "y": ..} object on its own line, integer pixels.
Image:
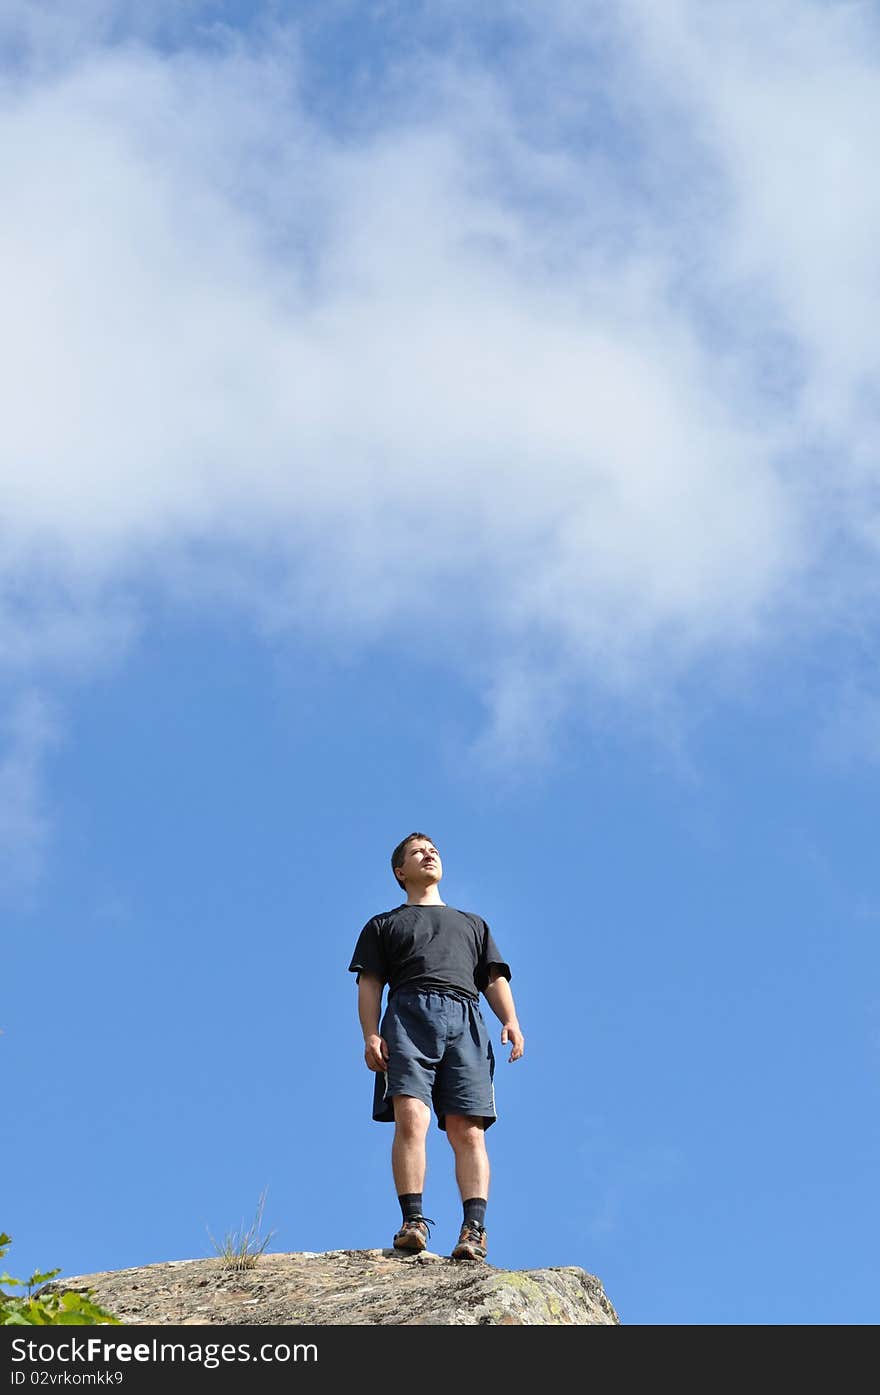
[{"x": 420, "y": 1220}]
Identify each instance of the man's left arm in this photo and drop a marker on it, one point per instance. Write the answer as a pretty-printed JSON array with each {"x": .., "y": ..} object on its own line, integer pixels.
[{"x": 500, "y": 999}]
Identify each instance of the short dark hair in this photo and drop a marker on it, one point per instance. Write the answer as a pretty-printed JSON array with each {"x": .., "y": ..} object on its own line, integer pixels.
[{"x": 400, "y": 853}]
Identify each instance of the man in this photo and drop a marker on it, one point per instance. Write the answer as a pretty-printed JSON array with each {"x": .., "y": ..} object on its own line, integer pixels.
[{"x": 432, "y": 1047}]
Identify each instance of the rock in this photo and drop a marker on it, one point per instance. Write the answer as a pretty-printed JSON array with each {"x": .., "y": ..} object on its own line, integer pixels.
[{"x": 348, "y": 1288}]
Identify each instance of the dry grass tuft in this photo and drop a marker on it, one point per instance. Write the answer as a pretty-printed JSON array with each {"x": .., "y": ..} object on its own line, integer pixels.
[{"x": 240, "y": 1249}]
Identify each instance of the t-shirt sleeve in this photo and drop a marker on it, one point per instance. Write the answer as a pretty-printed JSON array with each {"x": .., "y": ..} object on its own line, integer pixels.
[
  {"x": 369, "y": 953},
  {"x": 490, "y": 956}
]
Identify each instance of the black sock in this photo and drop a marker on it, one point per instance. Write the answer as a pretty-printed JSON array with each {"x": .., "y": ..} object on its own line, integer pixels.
[
  {"x": 410, "y": 1205},
  {"x": 475, "y": 1210}
]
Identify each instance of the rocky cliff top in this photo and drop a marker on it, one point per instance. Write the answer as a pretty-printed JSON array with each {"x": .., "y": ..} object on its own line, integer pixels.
[{"x": 348, "y": 1288}]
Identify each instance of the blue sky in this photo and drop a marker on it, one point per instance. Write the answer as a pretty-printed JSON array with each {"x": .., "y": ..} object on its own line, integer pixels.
[{"x": 416, "y": 421}]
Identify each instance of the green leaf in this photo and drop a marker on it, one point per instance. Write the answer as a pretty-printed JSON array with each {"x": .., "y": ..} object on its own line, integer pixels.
[{"x": 45, "y": 1309}]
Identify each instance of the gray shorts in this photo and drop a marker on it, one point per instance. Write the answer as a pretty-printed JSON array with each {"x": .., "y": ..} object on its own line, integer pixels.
[{"x": 439, "y": 1051}]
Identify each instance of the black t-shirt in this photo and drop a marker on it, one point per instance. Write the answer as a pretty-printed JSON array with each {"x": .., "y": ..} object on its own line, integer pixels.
[{"x": 430, "y": 947}]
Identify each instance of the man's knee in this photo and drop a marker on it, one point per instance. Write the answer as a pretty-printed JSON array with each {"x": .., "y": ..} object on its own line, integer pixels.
[
  {"x": 411, "y": 1115},
  {"x": 465, "y": 1131}
]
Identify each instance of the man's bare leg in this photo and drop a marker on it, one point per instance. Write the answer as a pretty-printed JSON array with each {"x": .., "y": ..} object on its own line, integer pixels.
[
  {"x": 411, "y": 1120},
  {"x": 408, "y": 1157},
  {"x": 468, "y": 1139}
]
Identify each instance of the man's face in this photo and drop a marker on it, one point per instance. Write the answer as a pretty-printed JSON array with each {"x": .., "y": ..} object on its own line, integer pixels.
[{"x": 421, "y": 864}]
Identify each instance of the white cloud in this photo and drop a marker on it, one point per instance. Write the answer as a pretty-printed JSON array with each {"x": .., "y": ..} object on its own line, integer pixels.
[
  {"x": 787, "y": 100},
  {"x": 506, "y": 354}
]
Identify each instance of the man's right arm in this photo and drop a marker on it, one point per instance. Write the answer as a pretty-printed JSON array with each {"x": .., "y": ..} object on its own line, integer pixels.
[{"x": 369, "y": 1008}]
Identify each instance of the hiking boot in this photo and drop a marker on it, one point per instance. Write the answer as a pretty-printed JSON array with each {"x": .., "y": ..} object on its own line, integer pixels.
[
  {"x": 413, "y": 1234},
  {"x": 471, "y": 1242}
]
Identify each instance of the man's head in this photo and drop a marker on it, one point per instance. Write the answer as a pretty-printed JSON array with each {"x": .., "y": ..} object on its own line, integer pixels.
[{"x": 415, "y": 859}]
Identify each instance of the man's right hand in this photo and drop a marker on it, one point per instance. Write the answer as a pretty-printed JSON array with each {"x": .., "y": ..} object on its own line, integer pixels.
[{"x": 376, "y": 1052}]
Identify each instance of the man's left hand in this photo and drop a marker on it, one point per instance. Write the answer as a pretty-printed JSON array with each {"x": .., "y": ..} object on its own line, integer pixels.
[{"x": 510, "y": 1032}]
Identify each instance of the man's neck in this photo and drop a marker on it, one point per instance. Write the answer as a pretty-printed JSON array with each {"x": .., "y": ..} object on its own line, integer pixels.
[{"x": 430, "y": 896}]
